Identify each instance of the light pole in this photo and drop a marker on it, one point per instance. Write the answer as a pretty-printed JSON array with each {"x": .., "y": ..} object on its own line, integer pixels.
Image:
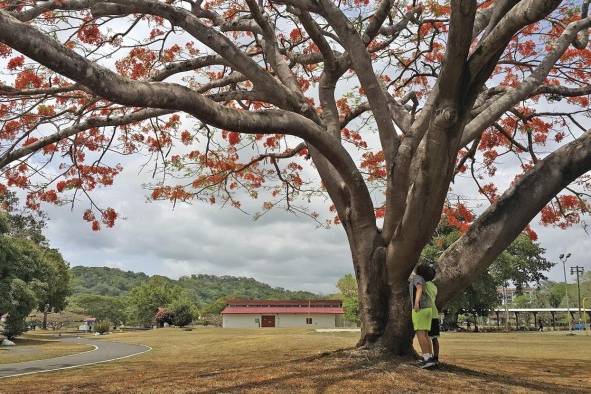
[
  {"x": 588, "y": 327},
  {"x": 563, "y": 259},
  {"x": 506, "y": 307},
  {"x": 578, "y": 270}
]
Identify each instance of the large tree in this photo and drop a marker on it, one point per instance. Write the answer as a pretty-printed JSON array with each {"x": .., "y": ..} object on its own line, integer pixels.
[
  {"x": 30, "y": 276},
  {"x": 157, "y": 293},
  {"x": 448, "y": 87},
  {"x": 102, "y": 307},
  {"x": 56, "y": 276},
  {"x": 26, "y": 227}
]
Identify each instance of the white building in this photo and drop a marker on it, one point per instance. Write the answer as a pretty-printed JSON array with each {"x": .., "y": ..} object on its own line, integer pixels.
[{"x": 288, "y": 314}]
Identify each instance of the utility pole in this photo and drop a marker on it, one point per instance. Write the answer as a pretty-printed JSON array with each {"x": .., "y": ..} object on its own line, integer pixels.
[
  {"x": 563, "y": 259},
  {"x": 506, "y": 307},
  {"x": 578, "y": 270}
]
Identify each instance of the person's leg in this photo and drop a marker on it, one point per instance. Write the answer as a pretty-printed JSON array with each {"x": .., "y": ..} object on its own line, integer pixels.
[
  {"x": 434, "y": 335},
  {"x": 425, "y": 344},
  {"x": 435, "y": 348},
  {"x": 422, "y": 324}
]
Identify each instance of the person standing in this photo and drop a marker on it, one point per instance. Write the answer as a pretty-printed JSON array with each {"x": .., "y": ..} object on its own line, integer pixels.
[{"x": 422, "y": 313}]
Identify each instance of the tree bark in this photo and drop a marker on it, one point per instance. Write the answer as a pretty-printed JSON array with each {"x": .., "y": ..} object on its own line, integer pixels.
[
  {"x": 384, "y": 307},
  {"x": 385, "y": 322}
]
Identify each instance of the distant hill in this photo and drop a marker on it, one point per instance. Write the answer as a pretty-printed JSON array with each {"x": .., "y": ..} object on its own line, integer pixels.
[
  {"x": 104, "y": 280},
  {"x": 204, "y": 289},
  {"x": 208, "y": 288}
]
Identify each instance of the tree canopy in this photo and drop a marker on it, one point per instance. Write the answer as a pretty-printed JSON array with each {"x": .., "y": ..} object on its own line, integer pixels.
[
  {"x": 389, "y": 101},
  {"x": 31, "y": 276},
  {"x": 151, "y": 296},
  {"x": 102, "y": 307}
]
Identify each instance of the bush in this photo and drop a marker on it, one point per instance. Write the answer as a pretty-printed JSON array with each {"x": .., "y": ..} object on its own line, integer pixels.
[
  {"x": 14, "y": 327},
  {"x": 213, "y": 320},
  {"x": 102, "y": 326},
  {"x": 182, "y": 314}
]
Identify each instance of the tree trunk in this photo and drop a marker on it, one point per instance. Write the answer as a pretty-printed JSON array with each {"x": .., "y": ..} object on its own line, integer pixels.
[
  {"x": 45, "y": 319},
  {"x": 390, "y": 331},
  {"x": 385, "y": 310}
]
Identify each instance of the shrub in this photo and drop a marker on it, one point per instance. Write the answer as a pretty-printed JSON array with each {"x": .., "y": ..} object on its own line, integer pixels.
[
  {"x": 102, "y": 326},
  {"x": 182, "y": 314},
  {"x": 14, "y": 327}
]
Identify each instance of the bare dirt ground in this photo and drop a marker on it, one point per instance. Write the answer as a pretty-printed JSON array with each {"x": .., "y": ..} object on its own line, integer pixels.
[{"x": 284, "y": 360}]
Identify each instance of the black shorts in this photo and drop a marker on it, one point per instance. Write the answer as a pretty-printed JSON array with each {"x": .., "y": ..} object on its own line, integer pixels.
[{"x": 434, "y": 331}]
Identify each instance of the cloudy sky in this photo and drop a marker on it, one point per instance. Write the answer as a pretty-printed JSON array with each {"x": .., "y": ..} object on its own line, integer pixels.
[{"x": 279, "y": 248}]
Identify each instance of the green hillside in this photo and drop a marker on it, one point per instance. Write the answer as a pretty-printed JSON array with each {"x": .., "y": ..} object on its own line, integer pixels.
[
  {"x": 104, "y": 280},
  {"x": 208, "y": 288},
  {"x": 204, "y": 289}
]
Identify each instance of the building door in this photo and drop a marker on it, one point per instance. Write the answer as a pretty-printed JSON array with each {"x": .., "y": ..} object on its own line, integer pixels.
[{"x": 268, "y": 321}]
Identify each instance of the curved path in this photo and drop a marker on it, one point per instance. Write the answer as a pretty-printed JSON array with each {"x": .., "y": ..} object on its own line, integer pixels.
[{"x": 104, "y": 351}]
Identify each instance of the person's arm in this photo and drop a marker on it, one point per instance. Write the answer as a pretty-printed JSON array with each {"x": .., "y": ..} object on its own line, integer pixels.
[{"x": 418, "y": 293}]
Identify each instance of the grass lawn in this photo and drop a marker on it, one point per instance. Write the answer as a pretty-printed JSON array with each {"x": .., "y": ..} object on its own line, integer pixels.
[
  {"x": 227, "y": 360},
  {"x": 28, "y": 349}
]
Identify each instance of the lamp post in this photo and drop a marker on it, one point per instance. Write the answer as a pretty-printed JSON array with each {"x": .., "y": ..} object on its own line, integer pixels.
[
  {"x": 588, "y": 327},
  {"x": 506, "y": 306},
  {"x": 563, "y": 259},
  {"x": 578, "y": 270}
]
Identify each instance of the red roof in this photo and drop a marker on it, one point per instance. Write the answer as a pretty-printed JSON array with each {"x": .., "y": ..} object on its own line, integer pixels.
[
  {"x": 249, "y": 302},
  {"x": 261, "y": 310}
]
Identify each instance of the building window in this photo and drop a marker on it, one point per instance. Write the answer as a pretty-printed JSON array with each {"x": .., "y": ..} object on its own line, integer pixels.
[{"x": 308, "y": 320}]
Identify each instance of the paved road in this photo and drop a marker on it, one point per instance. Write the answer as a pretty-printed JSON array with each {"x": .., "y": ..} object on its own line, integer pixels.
[{"x": 104, "y": 351}]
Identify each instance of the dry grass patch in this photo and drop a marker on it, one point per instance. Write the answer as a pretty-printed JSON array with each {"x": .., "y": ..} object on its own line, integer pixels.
[
  {"x": 261, "y": 361},
  {"x": 27, "y": 349}
]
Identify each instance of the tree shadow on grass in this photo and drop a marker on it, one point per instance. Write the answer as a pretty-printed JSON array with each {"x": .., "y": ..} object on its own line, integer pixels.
[
  {"x": 319, "y": 380},
  {"x": 509, "y": 379},
  {"x": 332, "y": 371}
]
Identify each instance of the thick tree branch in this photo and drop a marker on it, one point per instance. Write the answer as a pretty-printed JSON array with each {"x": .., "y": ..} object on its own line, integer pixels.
[
  {"x": 46, "y": 6},
  {"x": 498, "y": 226},
  {"x": 436, "y": 130},
  {"x": 188, "y": 65},
  {"x": 362, "y": 64},
  {"x": 272, "y": 51},
  {"x": 481, "y": 21},
  {"x": 498, "y": 10},
  {"x": 208, "y": 36}
]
